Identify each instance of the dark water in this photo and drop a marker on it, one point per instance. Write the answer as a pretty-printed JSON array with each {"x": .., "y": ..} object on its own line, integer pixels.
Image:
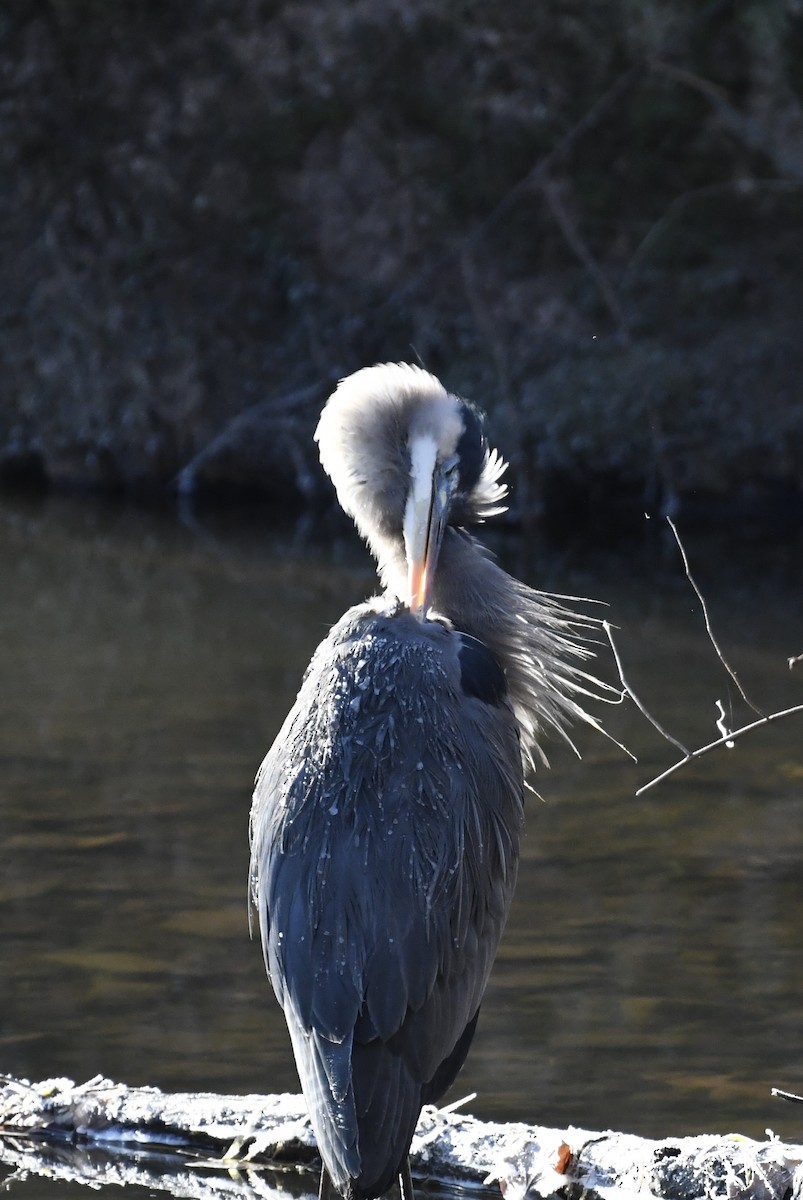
[{"x": 651, "y": 978}]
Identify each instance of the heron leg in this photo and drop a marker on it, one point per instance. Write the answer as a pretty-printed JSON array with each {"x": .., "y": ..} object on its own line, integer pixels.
[
  {"x": 326, "y": 1189},
  {"x": 406, "y": 1182}
]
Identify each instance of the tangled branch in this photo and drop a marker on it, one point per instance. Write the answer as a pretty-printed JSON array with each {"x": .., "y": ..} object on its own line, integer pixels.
[
  {"x": 727, "y": 737},
  {"x": 727, "y": 740}
]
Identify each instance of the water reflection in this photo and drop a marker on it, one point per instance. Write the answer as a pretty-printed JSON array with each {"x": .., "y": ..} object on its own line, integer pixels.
[{"x": 651, "y": 975}]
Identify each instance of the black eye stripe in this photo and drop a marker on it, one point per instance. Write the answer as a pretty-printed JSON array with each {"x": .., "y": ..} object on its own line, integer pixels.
[{"x": 471, "y": 446}]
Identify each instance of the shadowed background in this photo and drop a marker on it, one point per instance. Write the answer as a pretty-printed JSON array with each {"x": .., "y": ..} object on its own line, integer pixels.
[{"x": 588, "y": 216}]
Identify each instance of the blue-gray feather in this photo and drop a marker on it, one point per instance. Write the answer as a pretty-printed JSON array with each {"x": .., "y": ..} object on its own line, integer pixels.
[{"x": 385, "y": 840}]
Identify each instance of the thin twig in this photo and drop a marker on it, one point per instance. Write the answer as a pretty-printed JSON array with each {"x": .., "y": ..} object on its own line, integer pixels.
[
  {"x": 697, "y": 82},
  {"x": 786, "y": 1095},
  {"x": 628, "y": 689},
  {"x": 484, "y": 320},
  {"x": 616, "y": 91},
  {"x": 620, "y": 86},
  {"x": 453, "y": 1107},
  {"x": 756, "y": 135},
  {"x": 737, "y": 187},
  {"x": 581, "y": 250},
  {"x": 722, "y": 741},
  {"x": 708, "y": 628},
  {"x": 721, "y": 725}
]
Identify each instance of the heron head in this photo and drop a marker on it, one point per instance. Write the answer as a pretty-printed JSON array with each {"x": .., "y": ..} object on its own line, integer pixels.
[{"x": 407, "y": 458}]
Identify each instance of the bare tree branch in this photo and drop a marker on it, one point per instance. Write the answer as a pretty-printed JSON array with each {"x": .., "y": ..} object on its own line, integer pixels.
[
  {"x": 484, "y": 319},
  {"x": 756, "y": 135},
  {"x": 533, "y": 178},
  {"x": 578, "y": 246},
  {"x": 736, "y": 187},
  {"x": 728, "y": 737},
  {"x": 708, "y": 628},
  {"x": 721, "y": 741},
  {"x": 721, "y": 724},
  {"x": 786, "y": 1095},
  {"x": 629, "y": 691}
]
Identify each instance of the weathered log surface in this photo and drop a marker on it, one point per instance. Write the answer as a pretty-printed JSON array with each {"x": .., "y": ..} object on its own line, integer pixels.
[{"x": 199, "y": 1144}]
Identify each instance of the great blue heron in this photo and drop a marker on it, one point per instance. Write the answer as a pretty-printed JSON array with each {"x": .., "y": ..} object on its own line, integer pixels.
[{"x": 386, "y": 817}]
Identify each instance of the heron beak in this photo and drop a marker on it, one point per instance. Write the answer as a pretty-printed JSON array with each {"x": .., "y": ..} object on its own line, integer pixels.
[{"x": 424, "y": 523}]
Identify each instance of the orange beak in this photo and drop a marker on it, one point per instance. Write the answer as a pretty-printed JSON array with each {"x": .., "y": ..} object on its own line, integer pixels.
[{"x": 424, "y": 523}]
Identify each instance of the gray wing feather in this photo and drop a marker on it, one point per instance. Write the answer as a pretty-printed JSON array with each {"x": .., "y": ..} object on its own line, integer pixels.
[{"x": 385, "y": 835}]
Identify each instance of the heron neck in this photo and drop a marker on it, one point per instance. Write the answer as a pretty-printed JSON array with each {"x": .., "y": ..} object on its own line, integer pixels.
[
  {"x": 466, "y": 587},
  {"x": 538, "y": 641},
  {"x": 534, "y": 637}
]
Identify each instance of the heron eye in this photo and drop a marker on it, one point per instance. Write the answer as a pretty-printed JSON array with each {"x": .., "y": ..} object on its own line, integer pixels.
[{"x": 450, "y": 468}]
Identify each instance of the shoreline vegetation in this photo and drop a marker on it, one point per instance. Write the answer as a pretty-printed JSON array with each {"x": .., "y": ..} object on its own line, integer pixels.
[{"x": 588, "y": 219}]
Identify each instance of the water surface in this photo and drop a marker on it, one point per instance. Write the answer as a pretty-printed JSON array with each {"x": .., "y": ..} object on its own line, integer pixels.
[{"x": 651, "y": 975}]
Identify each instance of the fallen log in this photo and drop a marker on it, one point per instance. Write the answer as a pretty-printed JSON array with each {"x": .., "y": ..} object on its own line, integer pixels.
[{"x": 102, "y": 1133}]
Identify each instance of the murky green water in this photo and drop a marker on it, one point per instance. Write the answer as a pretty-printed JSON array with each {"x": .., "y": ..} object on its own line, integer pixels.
[{"x": 652, "y": 973}]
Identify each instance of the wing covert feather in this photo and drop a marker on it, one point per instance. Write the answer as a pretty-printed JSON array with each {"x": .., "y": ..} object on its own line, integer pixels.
[{"x": 385, "y": 832}]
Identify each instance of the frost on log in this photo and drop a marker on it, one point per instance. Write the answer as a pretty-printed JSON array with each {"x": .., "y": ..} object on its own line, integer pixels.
[{"x": 102, "y": 1133}]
